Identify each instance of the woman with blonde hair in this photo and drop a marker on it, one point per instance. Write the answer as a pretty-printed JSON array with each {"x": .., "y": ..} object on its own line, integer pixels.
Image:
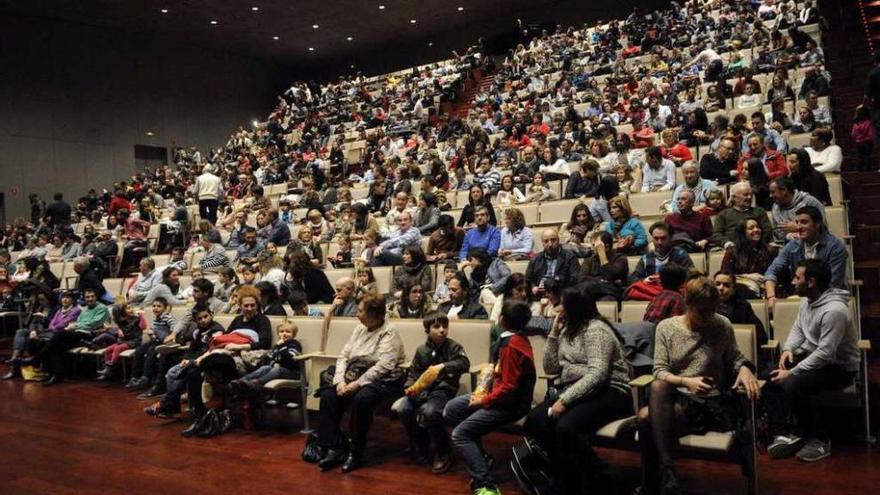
[{"x": 517, "y": 240}]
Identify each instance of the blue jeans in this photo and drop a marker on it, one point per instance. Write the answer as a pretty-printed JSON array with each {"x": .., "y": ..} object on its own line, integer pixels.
[
  {"x": 471, "y": 424},
  {"x": 267, "y": 373}
]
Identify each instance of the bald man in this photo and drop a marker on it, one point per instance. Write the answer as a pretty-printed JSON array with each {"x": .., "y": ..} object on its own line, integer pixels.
[
  {"x": 552, "y": 263},
  {"x": 344, "y": 303},
  {"x": 740, "y": 209}
]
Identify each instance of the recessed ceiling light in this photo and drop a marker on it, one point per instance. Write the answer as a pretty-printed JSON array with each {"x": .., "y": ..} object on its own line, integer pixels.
[
  {"x": 412, "y": 21},
  {"x": 315, "y": 26},
  {"x": 255, "y": 123},
  {"x": 149, "y": 133},
  {"x": 430, "y": 43},
  {"x": 381, "y": 7},
  {"x": 275, "y": 38},
  {"x": 460, "y": 9},
  {"x": 164, "y": 11},
  {"x": 255, "y": 9},
  {"x": 213, "y": 23},
  {"x": 311, "y": 48},
  {"x": 352, "y": 66},
  {"x": 349, "y": 38}
]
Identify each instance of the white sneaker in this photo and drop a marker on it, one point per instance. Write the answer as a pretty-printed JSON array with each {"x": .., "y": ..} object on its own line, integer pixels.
[{"x": 784, "y": 446}]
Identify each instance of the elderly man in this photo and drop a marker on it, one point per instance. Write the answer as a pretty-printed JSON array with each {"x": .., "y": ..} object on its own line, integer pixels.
[
  {"x": 742, "y": 209},
  {"x": 146, "y": 280},
  {"x": 344, "y": 303},
  {"x": 484, "y": 235},
  {"x": 693, "y": 183},
  {"x": 215, "y": 256},
  {"x": 688, "y": 221},
  {"x": 658, "y": 172},
  {"x": 786, "y": 201},
  {"x": 272, "y": 228},
  {"x": 401, "y": 206},
  {"x": 91, "y": 277},
  {"x": 488, "y": 177},
  {"x": 390, "y": 251},
  {"x": 761, "y": 166},
  {"x": 553, "y": 263},
  {"x": 814, "y": 242},
  {"x": 208, "y": 188},
  {"x": 720, "y": 165},
  {"x": 236, "y": 236}
]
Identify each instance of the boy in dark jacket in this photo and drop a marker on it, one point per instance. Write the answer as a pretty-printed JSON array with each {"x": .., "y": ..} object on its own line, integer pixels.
[
  {"x": 421, "y": 411},
  {"x": 508, "y": 400},
  {"x": 177, "y": 376},
  {"x": 280, "y": 361}
]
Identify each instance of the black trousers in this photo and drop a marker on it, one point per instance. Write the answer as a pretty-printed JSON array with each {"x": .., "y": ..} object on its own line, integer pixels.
[
  {"x": 566, "y": 438},
  {"x": 793, "y": 399},
  {"x": 143, "y": 363},
  {"x": 424, "y": 423},
  {"x": 362, "y": 403},
  {"x": 208, "y": 209},
  {"x": 53, "y": 356}
]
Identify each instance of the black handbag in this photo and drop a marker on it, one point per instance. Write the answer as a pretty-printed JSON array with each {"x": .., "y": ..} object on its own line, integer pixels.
[{"x": 312, "y": 452}]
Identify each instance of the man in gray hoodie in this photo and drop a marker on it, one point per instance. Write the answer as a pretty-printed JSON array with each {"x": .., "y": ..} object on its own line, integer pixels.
[
  {"x": 821, "y": 354},
  {"x": 786, "y": 201}
]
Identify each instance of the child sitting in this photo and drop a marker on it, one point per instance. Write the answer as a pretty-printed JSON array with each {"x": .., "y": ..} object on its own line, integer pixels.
[
  {"x": 432, "y": 380},
  {"x": 441, "y": 292},
  {"x": 128, "y": 328},
  {"x": 508, "y": 399},
  {"x": 365, "y": 283},
  {"x": 668, "y": 302},
  {"x": 343, "y": 256},
  {"x": 280, "y": 361},
  {"x": 143, "y": 368}
]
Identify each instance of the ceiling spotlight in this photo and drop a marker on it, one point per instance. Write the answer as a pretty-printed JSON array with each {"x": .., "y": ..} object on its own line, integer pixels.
[
  {"x": 430, "y": 43},
  {"x": 351, "y": 66},
  {"x": 381, "y": 7},
  {"x": 255, "y": 9},
  {"x": 164, "y": 11},
  {"x": 349, "y": 38},
  {"x": 255, "y": 123},
  {"x": 149, "y": 133},
  {"x": 461, "y": 9},
  {"x": 315, "y": 26},
  {"x": 213, "y": 23},
  {"x": 412, "y": 21},
  {"x": 276, "y": 38},
  {"x": 311, "y": 48}
]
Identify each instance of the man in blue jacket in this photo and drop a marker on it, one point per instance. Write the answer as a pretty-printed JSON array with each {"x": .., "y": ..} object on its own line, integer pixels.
[{"x": 484, "y": 235}]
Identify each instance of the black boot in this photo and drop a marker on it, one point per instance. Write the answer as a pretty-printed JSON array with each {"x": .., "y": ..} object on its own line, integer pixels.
[
  {"x": 353, "y": 461},
  {"x": 193, "y": 428},
  {"x": 52, "y": 380},
  {"x": 333, "y": 458}
]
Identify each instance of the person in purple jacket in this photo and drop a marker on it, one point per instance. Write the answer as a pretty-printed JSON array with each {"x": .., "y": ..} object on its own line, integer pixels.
[{"x": 44, "y": 321}]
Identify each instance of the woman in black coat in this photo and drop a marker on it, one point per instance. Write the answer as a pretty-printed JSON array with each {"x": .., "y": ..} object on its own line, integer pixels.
[
  {"x": 476, "y": 198},
  {"x": 805, "y": 177},
  {"x": 303, "y": 276}
]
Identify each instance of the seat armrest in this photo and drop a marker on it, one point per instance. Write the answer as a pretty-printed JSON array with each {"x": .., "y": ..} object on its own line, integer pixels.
[
  {"x": 283, "y": 383},
  {"x": 642, "y": 381},
  {"x": 475, "y": 370},
  {"x": 548, "y": 377},
  {"x": 405, "y": 366},
  {"x": 308, "y": 355},
  {"x": 864, "y": 345},
  {"x": 771, "y": 344}
]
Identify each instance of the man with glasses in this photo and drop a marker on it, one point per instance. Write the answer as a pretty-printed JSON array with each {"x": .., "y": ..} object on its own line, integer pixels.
[{"x": 553, "y": 263}]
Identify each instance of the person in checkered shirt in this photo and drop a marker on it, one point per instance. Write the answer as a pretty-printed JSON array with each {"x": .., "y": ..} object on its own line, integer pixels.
[{"x": 669, "y": 301}]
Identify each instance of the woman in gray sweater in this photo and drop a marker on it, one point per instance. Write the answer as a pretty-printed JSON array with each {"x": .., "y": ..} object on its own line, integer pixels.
[
  {"x": 593, "y": 383},
  {"x": 695, "y": 354}
]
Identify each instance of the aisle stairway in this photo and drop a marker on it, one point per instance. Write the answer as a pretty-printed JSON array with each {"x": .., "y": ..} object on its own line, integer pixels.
[{"x": 462, "y": 104}]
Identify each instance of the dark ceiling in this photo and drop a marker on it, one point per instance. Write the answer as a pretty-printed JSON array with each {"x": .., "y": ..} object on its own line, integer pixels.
[{"x": 381, "y": 39}]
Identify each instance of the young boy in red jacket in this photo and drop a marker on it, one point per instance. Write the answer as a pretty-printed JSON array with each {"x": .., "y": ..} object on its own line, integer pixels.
[{"x": 508, "y": 400}]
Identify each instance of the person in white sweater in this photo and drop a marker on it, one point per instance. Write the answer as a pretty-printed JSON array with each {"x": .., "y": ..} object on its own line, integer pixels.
[
  {"x": 208, "y": 188},
  {"x": 824, "y": 156}
]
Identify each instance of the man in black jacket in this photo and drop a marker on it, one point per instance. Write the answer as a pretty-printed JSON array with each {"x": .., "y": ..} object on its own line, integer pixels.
[
  {"x": 461, "y": 306},
  {"x": 421, "y": 411},
  {"x": 58, "y": 212},
  {"x": 720, "y": 165},
  {"x": 91, "y": 277},
  {"x": 552, "y": 263}
]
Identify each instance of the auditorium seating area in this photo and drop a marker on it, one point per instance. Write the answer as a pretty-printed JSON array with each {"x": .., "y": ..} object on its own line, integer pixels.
[{"x": 576, "y": 84}]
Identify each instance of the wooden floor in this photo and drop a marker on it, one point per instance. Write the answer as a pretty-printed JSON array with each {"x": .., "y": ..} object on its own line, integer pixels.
[{"x": 86, "y": 437}]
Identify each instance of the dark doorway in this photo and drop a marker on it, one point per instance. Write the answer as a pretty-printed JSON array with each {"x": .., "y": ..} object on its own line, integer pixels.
[{"x": 149, "y": 156}]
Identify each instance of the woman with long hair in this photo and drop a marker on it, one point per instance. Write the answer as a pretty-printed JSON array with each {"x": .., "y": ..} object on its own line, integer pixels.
[
  {"x": 168, "y": 288},
  {"x": 592, "y": 390},
  {"x": 629, "y": 234},
  {"x": 805, "y": 177},
  {"x": 302, "y": 275},
  {"x": 506, "y": 195},
  {"x": 517, "y": 240},
  {"x": 538, "y": 191},
  {"x": 362, "y": 220},
  {"x": 605, "y": 270},
  {"x": 413, "y": 303},
  {"x": 427, "y": 216},
  {"x": 749, "y": 258},
  {"x": 476, "y": 197},
  {"x": 414, "y": 270},
  {"x": 573, "y": 234},
  {"x": 695, "y": 356}
]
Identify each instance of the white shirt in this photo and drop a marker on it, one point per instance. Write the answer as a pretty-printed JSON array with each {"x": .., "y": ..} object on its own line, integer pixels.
[{"x": 827, "y": 160}]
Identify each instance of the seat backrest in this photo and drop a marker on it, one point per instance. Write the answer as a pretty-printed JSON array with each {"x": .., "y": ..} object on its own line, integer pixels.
[
  {"x": 115, "y": 286},
  {"x": 715, "y": 259},
  {"x": 837, "y": 221},
  {"x": 310, "y": 332},
  {"x": 699, "y": 260},
  {"x": 835, "y": 187},
  {"x": 338, "y": 333},
  {"x": 334, "y": 274},
  {"x": 784, "y": 314},
  {"x": 473, "y": 335},
  {"x": 632, "y": 262},
  {"x": 539, "y": 343},
  {"x": 383, "y": 275},
  {"x": 746, "y": 341},
  {"x": 58, "y": 269},
  {"x": 633, "y": 311},
  {"x": 557, "y": 211},
  {"x": 411, "y": 332},
  {"x": 608, "y": 309},
  {"x": 518, "y": 266},
  {"x": 530, "y": 213},
  {"x": 649, "y": 203},
  {"x": 759, "y": 306}
]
